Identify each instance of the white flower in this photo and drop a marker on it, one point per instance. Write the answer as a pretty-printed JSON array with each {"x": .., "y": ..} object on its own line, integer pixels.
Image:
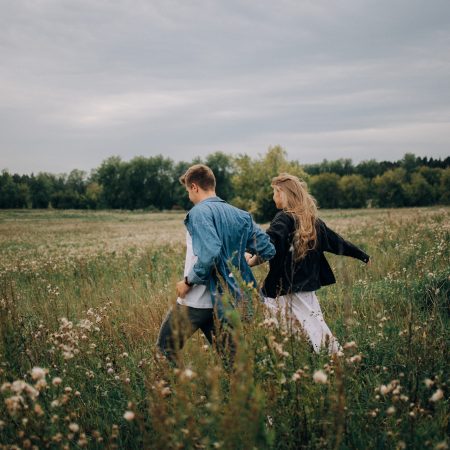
[
  {"x": 56, "y": 381},
  {"x": 384, "y": 389},
  {"x": 129, "y": 415},
  {"x": 37, "y": 373},
  {"x": 188, "y": 373},
  {"x": 320, "y": 376},
  {"x": 356, "y": 359},
  {"x": 428, "y": 383},
  {"x": 349, "y": 345},
  {"x": 74, "y": 427},
  {"x": 390, "y": 411},
  {"x": 438, "y": 395}
]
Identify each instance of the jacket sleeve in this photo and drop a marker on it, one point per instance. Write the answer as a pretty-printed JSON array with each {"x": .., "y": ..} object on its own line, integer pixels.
[
  {"x": 334, "y": 243},
  {"x": 259, "y": 243},
  {"x": 206, "y": 245},
  {"x": 279, "y": 231}
]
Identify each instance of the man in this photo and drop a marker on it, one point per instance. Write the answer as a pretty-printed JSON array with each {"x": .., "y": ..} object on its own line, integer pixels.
[{"x": 221, "y": 234}]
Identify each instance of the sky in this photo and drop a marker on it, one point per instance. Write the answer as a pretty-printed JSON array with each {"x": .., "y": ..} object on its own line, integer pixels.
[{"x": 83, "y": 80}]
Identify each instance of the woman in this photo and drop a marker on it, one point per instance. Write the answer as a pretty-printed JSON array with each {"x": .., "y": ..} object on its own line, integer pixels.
[{"x": 299, "y": 267}]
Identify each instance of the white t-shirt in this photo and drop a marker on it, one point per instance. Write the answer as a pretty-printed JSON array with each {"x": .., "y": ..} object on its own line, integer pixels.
[{"x": 199, "y": 295}]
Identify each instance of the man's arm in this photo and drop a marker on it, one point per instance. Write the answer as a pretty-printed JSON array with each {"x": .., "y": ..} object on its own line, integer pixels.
[
  {"x": 206, "y": 245},
  {"x": 259, "y": 245}
]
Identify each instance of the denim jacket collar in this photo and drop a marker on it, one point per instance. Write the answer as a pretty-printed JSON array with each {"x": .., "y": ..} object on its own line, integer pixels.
[{"x": 211, "y": 199}]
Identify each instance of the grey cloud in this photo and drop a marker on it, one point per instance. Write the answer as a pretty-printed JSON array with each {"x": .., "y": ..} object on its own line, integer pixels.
[{"x": 82, "y": 80}]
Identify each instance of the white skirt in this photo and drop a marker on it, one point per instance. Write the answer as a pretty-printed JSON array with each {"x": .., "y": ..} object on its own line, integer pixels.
[{"x": 301, "y": 312}]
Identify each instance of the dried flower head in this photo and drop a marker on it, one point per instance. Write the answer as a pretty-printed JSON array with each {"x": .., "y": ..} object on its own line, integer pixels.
[{"x": 320, "y": 377}]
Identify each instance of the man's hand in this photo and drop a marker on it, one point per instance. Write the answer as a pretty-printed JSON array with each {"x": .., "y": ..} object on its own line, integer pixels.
[
  {"x": 182, "y": 289},
  {"x": 253, "y": 260}
]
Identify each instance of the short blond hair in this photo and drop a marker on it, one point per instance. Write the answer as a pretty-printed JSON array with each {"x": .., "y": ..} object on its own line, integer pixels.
[{"x": 201, "y": 175}]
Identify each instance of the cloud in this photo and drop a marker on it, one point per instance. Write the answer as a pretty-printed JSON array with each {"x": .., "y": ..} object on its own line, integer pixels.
[{"x": 82, "y": 80}]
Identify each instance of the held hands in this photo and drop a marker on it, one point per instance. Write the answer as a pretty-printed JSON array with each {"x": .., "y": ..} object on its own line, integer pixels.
[
  {"x": 253, "y": 260},
  {"x": 182, "y": 289}
]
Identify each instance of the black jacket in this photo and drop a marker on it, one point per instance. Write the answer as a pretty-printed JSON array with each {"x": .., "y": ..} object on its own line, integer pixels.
[{"x": 313, "y": 271}]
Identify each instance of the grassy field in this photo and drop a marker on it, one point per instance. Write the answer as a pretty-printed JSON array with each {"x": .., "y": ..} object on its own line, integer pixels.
[{"x": 82, "y": 296}]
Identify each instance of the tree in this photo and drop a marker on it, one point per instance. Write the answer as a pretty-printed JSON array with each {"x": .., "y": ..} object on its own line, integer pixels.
[
  {"x": 445, "y": 187},
  {"x": 389, "y": 188},
  {"x": 41, "y": 189},
  {"x": 325, "y": 188},
  {"x": 93, "y": 195},
  {"x": 11, "y": 193},
  {"x": 369, "y": 169},
  {"x": 418, "y": 191},
  {"x": 353, "y": 191},
  {"x": 410, "y": 164},
  {"x": 222, "y": 166},
  {"x": 179, "y": 194},
  {"x": 109, "y": 176},
  {"x": 252, "y": 181}
]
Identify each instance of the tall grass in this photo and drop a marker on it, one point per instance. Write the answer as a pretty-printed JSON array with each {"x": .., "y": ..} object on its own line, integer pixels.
[{"x": 82, "y": 297}]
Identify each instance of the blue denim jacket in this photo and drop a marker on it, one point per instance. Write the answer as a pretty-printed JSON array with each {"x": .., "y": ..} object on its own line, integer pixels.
[{"x": 221, "y": 234}]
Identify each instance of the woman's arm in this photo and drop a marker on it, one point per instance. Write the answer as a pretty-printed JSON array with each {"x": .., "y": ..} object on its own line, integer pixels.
[{"x": 334, "y": 243}]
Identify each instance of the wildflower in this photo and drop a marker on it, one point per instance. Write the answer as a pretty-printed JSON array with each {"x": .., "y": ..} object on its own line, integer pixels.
[
  {"x": 188, "y": 373},
  {"x": 319, "y": 376},
  {"x": 38, "y": 409},
  {"x": 37, "y": 373},
  {"x": 14, "y": 404},
  {"x": 355, "y": 359},
  {"x": 428, "y": 383},
  {"x": 165, "y": 392},
  {"x": 349, "y": 345},
  {"x": 391, "y": 410},
  {"x": 441, "y": 446},
  {"x": 82, "y": 442},
  {"x": 56, "y": 381},
  {"x": 438, "y": 395},
  {"x": 5, "y": 386},
  {"x": 74, "y": 427},
  {"x": 129, "y": 415}
]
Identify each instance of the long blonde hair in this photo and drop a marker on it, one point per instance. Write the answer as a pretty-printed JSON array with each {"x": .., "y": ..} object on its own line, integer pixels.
[{"x": 302, "y": 205}]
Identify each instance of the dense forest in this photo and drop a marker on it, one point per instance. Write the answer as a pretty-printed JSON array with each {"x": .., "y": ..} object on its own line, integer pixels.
[{"x": 152, "y": 183}]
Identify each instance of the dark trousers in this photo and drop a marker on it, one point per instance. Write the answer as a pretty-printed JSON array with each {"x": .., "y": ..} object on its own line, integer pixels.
[{"x": 182, "y": 322}]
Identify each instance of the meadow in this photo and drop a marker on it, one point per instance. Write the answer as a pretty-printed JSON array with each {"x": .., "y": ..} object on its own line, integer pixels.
[{"x": 82, "y": 297}]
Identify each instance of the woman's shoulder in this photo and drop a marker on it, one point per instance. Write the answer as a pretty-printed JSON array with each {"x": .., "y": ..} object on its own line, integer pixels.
[
  {"x": 283, "y": 216},
  {"x": 284, "y": 219}
]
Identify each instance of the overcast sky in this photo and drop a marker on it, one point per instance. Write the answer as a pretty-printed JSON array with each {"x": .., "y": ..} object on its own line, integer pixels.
[{"x": 82, "y": 80}]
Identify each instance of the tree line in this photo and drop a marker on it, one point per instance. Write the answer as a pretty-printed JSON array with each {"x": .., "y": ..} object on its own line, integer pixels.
[{"x": 152, "y": 183}]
